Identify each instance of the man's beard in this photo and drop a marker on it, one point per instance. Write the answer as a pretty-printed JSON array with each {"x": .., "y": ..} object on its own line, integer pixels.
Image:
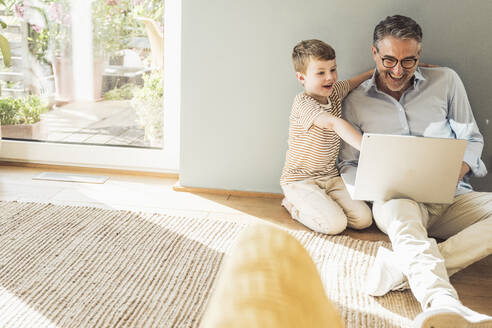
[{"x": 385, "y": 80}]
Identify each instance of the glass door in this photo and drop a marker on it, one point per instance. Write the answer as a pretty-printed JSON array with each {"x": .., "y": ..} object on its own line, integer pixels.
[{"x": 86, "y": 83}]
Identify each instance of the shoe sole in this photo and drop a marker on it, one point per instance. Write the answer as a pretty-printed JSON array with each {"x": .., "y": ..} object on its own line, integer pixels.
[{"x": 447, "y": 320}]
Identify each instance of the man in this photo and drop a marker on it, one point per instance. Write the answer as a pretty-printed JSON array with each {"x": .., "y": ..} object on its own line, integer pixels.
[{"x": 403, "y": 99}]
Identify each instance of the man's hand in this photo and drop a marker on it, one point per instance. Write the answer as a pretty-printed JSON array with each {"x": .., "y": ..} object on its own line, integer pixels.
[{"x": 464, "y": 170}]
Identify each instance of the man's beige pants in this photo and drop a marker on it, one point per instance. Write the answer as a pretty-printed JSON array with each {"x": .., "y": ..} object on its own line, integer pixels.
[
  {"x": 324, "y": 205},
  {"x": 465, "y": 224}
]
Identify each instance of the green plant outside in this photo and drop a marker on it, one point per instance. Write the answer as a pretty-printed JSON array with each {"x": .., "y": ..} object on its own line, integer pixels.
[
  {"x": 38, "y": 44},
  {"x": 114, "y": 22},
  {"x": 125, "y": 92},
  {"x": 60, "y": 28},
  {"x": 153, "y": 9},
  {"x": 21, "y": 110},
  {"x": 148, "y": 105},
  {"x": 113, "y": 26},
  {"x": 4, "y": 43},
  {"x": 53, "y": 40}
]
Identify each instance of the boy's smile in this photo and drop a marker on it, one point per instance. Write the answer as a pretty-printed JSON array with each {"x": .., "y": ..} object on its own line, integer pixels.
[{"x": 319, "y": 78}]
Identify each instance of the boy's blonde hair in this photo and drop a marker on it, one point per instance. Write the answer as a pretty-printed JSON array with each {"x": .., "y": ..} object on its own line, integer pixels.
[{"x": 307, "y": 49}]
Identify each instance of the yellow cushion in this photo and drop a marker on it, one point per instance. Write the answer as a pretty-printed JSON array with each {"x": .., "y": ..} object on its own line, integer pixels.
[{"x": 269, "y": 280}]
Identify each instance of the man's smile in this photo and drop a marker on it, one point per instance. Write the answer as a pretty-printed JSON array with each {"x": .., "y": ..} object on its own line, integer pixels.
[{"x": 395, "y": 77}]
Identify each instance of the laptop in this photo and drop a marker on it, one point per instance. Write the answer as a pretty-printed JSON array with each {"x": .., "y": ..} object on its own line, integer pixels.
[{"x": 419, "y": 168}]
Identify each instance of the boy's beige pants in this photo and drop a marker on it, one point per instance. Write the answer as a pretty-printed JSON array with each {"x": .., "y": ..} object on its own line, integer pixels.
[
  {"x": 324, "y": 205},
  {"x": 465, "y": 224}
]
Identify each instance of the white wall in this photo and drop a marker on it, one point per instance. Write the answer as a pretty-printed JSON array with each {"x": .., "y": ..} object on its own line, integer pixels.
[{"x": 238, "y": 82}]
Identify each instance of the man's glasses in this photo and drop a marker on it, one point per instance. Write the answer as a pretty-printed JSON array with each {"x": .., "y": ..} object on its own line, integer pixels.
[{"x": 390, "y": 62}]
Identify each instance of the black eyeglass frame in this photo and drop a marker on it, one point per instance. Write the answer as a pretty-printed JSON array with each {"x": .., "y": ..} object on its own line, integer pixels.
[{"x": 413, "y": 60}]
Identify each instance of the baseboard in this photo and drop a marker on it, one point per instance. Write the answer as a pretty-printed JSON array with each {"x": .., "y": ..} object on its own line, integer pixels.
[
  {"x": 89, "y": 169},
  {"x": 178, "y": 187}
]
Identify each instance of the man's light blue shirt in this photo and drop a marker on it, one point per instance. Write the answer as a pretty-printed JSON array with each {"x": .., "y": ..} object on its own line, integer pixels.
[{"x": 435, "y": 105}]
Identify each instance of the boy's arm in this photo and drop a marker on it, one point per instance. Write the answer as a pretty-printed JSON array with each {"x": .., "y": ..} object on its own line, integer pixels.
[
  {"x": 341, "y": 127},
  {"x": 356, "y": 80}
]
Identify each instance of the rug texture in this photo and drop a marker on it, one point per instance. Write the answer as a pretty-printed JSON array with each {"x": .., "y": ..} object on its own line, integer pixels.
[{"x": 66, "y": 266}]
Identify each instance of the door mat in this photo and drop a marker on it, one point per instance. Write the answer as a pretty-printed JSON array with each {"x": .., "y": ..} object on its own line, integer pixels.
[{"x": 70, "y": 177}]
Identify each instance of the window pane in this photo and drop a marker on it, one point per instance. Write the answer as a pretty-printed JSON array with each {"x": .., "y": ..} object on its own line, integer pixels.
[{"x": 38, "y": 98}]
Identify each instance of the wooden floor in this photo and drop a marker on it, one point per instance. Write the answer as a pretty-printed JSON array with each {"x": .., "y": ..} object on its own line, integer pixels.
[{"x": 154, "y": 194}]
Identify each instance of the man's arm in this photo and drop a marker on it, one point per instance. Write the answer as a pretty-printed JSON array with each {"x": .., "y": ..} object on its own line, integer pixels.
[
  {"x": 356, "y": 80},
  {"x": 464, "y": 126}
]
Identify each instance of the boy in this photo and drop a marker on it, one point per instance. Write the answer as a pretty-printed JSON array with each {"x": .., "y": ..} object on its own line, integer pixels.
[{"x": 315, "y": 194}]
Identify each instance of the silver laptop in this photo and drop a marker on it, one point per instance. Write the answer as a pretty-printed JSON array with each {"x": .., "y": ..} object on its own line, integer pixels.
[{"x": 391, "y": 166}]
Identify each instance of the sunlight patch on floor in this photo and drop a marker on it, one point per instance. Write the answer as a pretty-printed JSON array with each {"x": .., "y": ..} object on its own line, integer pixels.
[{"x": 13, "y": 308}]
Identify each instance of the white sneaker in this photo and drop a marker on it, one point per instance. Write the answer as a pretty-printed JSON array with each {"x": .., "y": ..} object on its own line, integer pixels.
[
  {"x": 454, "y": 314},
  {"x": 384, "y": 276}
]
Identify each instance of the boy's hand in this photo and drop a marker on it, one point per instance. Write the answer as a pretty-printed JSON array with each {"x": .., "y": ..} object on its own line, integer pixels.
[
  {"x": 341, "y": 127},
  {"x": 356, "y": 80},
  {"x": 325, "y": 121},
  {"x": 427, "y": 65}
]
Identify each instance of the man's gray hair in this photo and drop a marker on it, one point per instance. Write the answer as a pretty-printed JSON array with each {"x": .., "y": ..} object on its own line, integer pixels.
[{"x": 397, "y": 26}]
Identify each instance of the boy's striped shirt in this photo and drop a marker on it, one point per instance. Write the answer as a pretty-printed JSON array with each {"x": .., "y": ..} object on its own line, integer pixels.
[{"x": 312, "y": 150}]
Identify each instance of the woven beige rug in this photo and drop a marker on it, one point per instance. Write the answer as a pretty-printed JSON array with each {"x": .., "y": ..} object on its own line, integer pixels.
[{"x": 65, "y": 266}]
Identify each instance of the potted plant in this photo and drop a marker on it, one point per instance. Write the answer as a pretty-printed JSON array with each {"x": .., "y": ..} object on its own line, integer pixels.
[{"x": 20, "y": 117}]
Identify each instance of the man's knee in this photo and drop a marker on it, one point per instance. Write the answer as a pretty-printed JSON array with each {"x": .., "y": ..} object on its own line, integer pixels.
[{"x": 396, "y": 210}]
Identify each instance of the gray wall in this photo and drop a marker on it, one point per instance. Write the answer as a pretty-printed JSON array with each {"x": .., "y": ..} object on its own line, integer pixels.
[{"x": 238, "y": 82}]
